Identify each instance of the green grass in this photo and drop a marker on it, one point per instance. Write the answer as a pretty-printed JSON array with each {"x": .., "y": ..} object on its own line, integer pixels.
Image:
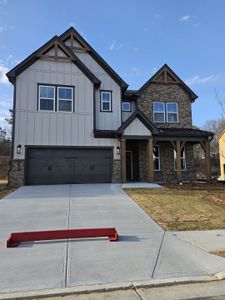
[{"x": 177, "y": 209}]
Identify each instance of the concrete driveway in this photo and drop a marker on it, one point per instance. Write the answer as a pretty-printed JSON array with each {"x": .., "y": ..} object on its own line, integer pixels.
[{"x": 144, "y": 251}]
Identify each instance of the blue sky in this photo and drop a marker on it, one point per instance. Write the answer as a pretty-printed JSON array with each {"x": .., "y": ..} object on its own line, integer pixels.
[{"x": 136, "y": 37}]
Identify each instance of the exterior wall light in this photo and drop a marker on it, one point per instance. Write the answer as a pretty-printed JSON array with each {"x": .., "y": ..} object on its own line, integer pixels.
[
  {"x": 18, "y": 149},
  {"x": 118, "y": 150}
]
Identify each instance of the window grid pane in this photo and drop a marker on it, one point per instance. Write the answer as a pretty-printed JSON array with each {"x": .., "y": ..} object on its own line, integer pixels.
[
  {"x": 172, "y": 112},
  {"x": 172, "y": 117},
  {"x": 159, "y": 112},
  {"x": 65, "y": 93},
  {"x": 46, "y": 104},
  {"x": 105, "y": 106},
  {"x": 65, "y": 105},
  {"x": 47, "y": 92},
  {"x": 125, "y": 106},
  {"x": 159, "y": 117},
  {"x": 158, "y": 107},
  {"x": 106, "y": 98}
]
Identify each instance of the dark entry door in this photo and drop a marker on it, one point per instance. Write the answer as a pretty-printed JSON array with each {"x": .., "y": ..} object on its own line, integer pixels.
[
  {"x": 68, "y": 165},
  {"x": 129, "y": 165}
]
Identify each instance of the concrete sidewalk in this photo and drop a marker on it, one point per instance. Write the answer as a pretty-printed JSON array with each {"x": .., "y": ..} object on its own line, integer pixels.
[{"x": 144, "y": 251}]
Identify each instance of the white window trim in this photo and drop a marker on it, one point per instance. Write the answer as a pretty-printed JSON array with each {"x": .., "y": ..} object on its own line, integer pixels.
[
  {"x": 182, "y": 157},
  {"x": 126, "y": 110},
  {"x": 158, "y": 159},
  {"x": 167, "y": 113},
  {"x": 39, "y": 98},
  {"x": 102, "y": 101},
  {"x": 58, "y": 99},
  {"x": 164, "y": 113}
]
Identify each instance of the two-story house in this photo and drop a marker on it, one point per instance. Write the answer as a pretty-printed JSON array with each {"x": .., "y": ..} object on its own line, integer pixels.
[{"x": 75, "y": 121}]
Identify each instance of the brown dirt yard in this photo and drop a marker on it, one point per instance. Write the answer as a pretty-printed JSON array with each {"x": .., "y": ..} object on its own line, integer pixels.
[
  {"x": 4, "y": 189},
  {"x": 185, "y": 207}
]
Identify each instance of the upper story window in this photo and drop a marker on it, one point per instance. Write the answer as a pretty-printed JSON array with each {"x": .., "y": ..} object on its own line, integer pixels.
[
  {"x": 159, "y": 112},
  {"x": 182, "y": 160},
  {"x": 126, "y": 106},
  {"x": 156, "y": 158},
  {"x": 65, "y": 99},
  {"x": 106, "y": 101},
  {"x": 46, "y": 98},
  {"x": 165, "y": 112},
  {"x": 55, "y": 98},
  {"x": 172, "y": 112}
]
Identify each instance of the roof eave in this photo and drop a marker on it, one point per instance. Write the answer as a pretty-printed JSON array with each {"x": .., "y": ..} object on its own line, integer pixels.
[{"x": 98, "y": 58}]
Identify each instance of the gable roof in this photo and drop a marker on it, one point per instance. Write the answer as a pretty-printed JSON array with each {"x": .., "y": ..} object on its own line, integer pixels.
[
  {"x": 174, "y": 78},
  {"x": 12, "y": 74},
  {"x": 138, "y": 114},
  {"x": 67, "y": 34}
]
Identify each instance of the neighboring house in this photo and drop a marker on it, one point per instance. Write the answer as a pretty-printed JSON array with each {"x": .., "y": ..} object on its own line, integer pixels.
[
  {"x": 75, "y": 121},
  {"x": 221, "y": 141}
]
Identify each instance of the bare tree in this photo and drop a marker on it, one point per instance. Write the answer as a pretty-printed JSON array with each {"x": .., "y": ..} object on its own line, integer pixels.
[
  {"x": 10, "y": 119},
  {"x": 217, "y": 127},
  {"x": 221, "y": 102}
]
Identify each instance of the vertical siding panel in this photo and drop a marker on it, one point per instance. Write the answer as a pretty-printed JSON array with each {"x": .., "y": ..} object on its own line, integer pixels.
[
  {"x": 60, "y": 129},
  {"x": 23, "y": 93},
  {"x": 30, "y": 128},
  {"x": 52, "y": 129},
  {"x": 67, "y": 129},
  {"x": 38, "y": 129},
  {"x": 81, "y": 95},
  {"x": 32, "y": 93},
  {"x": 75, "y": 130},
  {"x": 45, "y": 128}
]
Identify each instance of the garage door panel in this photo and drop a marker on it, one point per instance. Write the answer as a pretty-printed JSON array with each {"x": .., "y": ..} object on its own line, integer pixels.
[{"x": 68, "y": 165}]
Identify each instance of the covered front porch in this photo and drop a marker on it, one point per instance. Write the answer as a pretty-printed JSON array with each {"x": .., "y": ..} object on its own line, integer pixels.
[
  {"x": 160, "y": 160},
  {"x": 151, "y": 154}
]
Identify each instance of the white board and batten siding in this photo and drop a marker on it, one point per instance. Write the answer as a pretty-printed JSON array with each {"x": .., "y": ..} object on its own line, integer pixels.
[
  {"x": 33, "y": 127},
  {"x": 104, "y": 120},
  {"x": 137, "y": 128}
]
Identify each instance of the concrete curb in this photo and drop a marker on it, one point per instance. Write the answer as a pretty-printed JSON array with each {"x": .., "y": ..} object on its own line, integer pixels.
[
  {"x": 87, "y": 289},
  {"x": 220, "y": 275}
]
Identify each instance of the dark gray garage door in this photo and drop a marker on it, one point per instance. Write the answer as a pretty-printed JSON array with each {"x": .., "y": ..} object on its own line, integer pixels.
[{"x": 68, "y": 165}]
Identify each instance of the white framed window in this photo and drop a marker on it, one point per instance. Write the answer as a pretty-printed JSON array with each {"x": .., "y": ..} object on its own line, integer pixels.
[
  {"x": 182, "y": 160},
  {"x": 156, "y": 158},
  {"x": 172, "y": 112},
  {"x": 106, "y": 101},
  {"x": 126, "y": 106},
  {"x": 158, "y": 112},
  {"x": 64, "y": 99},
  {"x": 46, "y": 99}
]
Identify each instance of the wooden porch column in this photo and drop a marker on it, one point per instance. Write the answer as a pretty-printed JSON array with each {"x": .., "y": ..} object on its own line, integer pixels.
[
  {"x": 150, "y": 165},
  {"x": 208, "y": 162},
  {"x": 123, "y": 159},
  {"x": 178, "y": 161}
]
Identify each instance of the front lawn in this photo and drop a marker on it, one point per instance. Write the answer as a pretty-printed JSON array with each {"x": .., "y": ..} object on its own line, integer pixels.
[{"x": 183, "y": 207}]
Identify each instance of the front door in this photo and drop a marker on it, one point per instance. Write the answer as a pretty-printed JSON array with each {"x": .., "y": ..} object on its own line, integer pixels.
[{"x": 129, "y": 165}]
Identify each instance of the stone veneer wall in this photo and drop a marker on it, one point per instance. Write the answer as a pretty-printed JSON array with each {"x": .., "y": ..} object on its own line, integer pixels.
[
  {"x": 116, "y": 174},
  {"x": 16, "y": 173},
  {"x": 161, "y": 92},
  {"x": 142, "y": 148},
  {"x": 167, "y": 172}
]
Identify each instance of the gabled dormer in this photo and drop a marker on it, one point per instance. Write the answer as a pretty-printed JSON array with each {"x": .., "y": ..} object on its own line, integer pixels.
[{"x": 166, "y": 100}]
